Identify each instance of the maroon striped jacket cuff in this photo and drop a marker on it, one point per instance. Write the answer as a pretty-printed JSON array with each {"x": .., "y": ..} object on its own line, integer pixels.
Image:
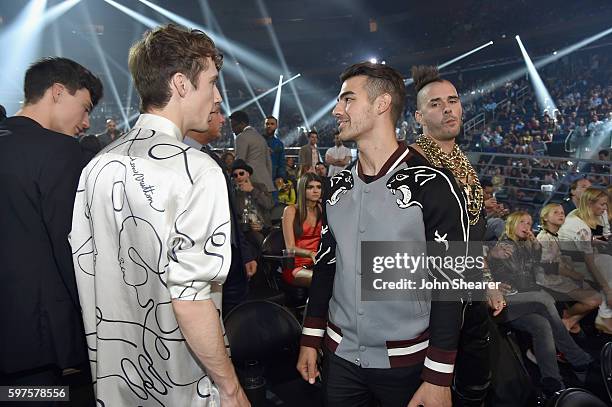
[
  {"x": 313, "y": 332},
  {"x": 439, "y": 366}
]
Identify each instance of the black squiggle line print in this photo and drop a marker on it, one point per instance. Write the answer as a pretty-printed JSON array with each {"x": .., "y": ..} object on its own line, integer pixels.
[
  {"x": 165, "y": 303},
  {"x": 180, "y": 244},
  {"x": 133, "y": 253},
  {"x": 83, "y": 254},
  {"x": 182, "y": 151},
  {"x": 211, "y": 240}
]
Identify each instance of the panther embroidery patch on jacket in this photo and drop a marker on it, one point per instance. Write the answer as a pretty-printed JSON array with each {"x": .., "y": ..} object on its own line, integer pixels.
[
  {"x": 407, "y": 180},
  {"x": 340, "y": 183}
]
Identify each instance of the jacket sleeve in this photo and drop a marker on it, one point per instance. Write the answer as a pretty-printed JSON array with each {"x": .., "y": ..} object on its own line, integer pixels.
[
  {"x": 445, "y": 219},
  {"x": 321, "y": 289},
  {"x": 242, "y": 147},
  {"x": 58, "y": 182}
]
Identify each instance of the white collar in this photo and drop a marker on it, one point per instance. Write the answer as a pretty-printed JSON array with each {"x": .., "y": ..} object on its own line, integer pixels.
[{"x": 160, "y": 124}]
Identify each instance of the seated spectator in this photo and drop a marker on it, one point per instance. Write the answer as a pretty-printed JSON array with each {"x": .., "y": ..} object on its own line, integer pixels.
[
  {"x": 291, "y": 169},
  {"x": 253, "y": 203},
  {"x": 577, "y": 239},
  {"x": 514, "y": 261},
  {"x": 302, "y": 230},
  {"x": 576, "y": 189},
  {"x": 538, "y": 146},
  {"x": 495, "y": 212},
  {"x": 498, "y": 180},
  {"x": 557, "y": 273},
  {"x": 228, "y": 159},
  {"x": 286, "y": 192}
]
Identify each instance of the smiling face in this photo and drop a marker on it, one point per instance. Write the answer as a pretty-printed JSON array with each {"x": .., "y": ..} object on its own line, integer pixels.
[
  {"x": 600, "y": 206},
  {"x": 71, "y": 112},
  {"x": 353, "y": 112},
  {"x": 523, "y": 227},
  {"x": 439, "y": 111}
]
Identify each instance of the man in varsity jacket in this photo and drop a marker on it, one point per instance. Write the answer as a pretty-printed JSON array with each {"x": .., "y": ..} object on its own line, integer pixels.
[{"x": 398, "y": 352}]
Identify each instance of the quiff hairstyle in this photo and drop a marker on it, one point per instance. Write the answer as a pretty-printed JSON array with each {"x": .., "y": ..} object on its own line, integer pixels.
[
  {"x": 422, "y": 76},
  {"x": 380, "y": 79},
  {"x": 163, "y": 52}
]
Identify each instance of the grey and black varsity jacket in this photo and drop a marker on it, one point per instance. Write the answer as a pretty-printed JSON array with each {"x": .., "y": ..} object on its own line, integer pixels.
[{"x": 402, "y": 203}]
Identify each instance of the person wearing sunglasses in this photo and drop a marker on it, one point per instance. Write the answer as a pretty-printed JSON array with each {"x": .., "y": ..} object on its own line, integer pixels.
[{"x": 253, "y": 202}]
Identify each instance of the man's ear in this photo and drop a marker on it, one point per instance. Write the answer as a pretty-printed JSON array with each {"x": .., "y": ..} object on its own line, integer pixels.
[
  {"x": 180, "y": 83},
  {"x": 383, "y": 103},
  {"x": 418, "y": 116},
  {"x": 56, "y": 91}
]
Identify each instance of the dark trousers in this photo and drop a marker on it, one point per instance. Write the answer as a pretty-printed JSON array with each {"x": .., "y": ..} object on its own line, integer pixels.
[
  {"x": 472, "y": 366},
  {"x": 236, "y": 286},
  {"x": 346, "y": 384}
]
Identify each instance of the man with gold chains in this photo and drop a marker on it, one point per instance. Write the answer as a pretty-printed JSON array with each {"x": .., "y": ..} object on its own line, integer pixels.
[{"x": 439, "y": 112}]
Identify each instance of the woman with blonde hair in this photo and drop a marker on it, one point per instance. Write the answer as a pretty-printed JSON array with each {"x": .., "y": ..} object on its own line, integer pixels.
[
  {"x": 577, "y": 239},
  {"x": 515, "y": 262},
  {"x": 557, "y": 273},
  {"x": 302, "y": 224}
]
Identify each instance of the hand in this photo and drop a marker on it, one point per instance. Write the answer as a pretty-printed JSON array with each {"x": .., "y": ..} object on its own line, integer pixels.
[
  {"x": 237, "y": 399},
  {"x": 256, "y": 226},
  {"x": 431, "y": 395},
  {"x": 250, "y": 268},
  {"x": 313, "y": 256},
  {"x": 307, "y": 364},
  {"x": 496, "y": 301},
  {"x": 501, "y": 251},
  {"x": 246, "y": 186},
  {"x": 491, "y": 204},
  {"x": 504, "y": 288}
]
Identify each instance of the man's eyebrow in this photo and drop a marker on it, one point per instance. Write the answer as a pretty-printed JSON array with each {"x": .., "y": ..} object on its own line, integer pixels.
[
  {"x": 343, "y": 94},
  {"x": 434, "y": 100}
]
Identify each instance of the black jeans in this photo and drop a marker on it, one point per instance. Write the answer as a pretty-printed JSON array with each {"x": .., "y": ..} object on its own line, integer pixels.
[
  {"x": 346, "y": 384},
  {"x": 472, "y": 366}
]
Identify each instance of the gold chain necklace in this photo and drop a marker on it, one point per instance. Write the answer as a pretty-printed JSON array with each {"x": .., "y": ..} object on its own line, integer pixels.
[{"x": 461, "y": 168}]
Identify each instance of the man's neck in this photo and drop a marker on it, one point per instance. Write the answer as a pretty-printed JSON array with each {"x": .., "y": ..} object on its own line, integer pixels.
[
  {"x": 171, "y": 114},
  {"x": 375, "y": 151},
  {"x": 576, "y": 201},
  {"x": 445, "y": 145},
  {"x": 37, "y": 113}
]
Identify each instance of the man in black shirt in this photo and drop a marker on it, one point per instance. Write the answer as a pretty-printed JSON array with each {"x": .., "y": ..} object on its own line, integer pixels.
[{"x": 40, "y": 165}]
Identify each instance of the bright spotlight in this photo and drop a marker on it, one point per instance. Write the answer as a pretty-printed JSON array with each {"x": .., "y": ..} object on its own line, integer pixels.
[
  {"x": 277, "y": 99},
  {"x": 373, "y": 60},
  {"x": 281, "y": 58},
  {"x": 544, "y": 61},
  {"x": 542, "y": 95},
  {"x": 21, "y": 41},
  {"x": 148, "y": 22},
  {"x": 248, "y": 102},
  {"x": 452, "y": 61}
]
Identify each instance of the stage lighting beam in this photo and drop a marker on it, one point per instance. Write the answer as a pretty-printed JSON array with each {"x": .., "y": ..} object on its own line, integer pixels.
[
  {"x": 266, "y": 93},
  {"x": 542, "y": 95}
]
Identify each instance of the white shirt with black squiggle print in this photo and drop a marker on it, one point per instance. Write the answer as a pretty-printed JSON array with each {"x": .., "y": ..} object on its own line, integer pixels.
[{"x": 151, "y": 224}]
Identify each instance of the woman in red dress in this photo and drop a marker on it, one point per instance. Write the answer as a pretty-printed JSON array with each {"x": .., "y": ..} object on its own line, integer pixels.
[{"x": 302, "y": 230}]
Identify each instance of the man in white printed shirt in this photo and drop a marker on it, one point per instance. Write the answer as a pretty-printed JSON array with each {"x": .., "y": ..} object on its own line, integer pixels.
[{"x": 151, "y": 239}]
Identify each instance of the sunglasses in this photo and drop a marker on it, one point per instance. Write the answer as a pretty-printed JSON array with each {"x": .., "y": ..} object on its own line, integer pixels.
[{"x": 238, "y": 174}]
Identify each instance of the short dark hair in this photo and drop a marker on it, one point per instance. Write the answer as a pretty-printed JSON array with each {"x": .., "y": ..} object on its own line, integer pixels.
[
  {"x": 312, "y": 132},
  {"x": 240, "y": 116},
  {"x": 604, "y": 152},
  {"x": 272, "y": 117},
  {"x": 486, "y": 182},
  {"x": 320, "y": 162},
  {"x": 162, "y": 53},
  {"x": 381, "y": 79},
  {"x": 45, "y": 72},
  {"x": 422, "y": 76}
]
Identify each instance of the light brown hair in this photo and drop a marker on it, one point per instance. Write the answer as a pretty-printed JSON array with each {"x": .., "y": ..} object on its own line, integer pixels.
[{"x": 163, "y": 52}]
